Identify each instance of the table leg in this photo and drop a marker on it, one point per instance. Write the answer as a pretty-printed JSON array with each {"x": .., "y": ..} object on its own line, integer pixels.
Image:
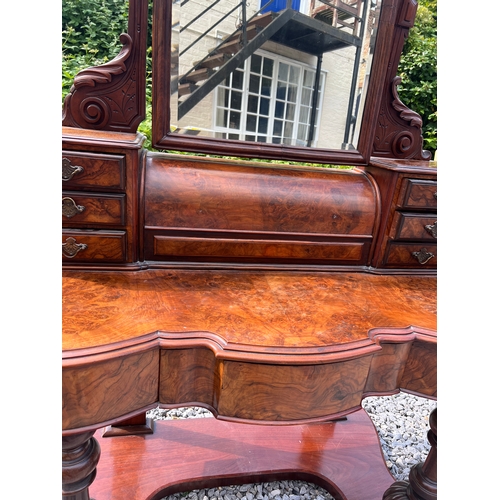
[
  {"x": 80, "y": 454},
  {"x": 422, "y": 481}
]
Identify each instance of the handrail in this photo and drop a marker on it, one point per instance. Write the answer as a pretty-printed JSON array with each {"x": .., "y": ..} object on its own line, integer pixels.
[
  {"x": 199, "y": 15},
  {"x": 209, "y": 30}
]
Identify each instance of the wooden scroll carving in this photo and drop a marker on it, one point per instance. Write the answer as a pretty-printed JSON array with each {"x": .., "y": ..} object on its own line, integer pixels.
[
  {"x": 113, "y": 96},
  {"x": 398, "y": 132}
]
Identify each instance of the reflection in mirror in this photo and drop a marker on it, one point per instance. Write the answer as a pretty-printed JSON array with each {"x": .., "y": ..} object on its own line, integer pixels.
[{"x": 291, "y": 72}]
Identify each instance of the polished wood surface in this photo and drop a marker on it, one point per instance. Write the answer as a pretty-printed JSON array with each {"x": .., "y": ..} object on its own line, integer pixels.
[
  {"x": 234, "y": 211},
  {"x": 255, "y": 309},
  {"x": 344, "y": 457},
  {"x": 269, "y": 346}
]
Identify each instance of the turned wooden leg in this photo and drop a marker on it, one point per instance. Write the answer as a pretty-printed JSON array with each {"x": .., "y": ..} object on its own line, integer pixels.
[
  {"x": 80, "y": 454},
  {"x": 422, "y": 480}
]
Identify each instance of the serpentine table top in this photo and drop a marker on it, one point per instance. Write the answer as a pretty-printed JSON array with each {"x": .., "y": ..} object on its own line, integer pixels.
[{"x": 248, "y": 345}]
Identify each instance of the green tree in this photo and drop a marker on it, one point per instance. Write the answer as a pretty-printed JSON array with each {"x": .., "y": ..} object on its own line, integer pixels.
[
  {"x": 418, "y": 71},
  {"x": 90, "y": 34}
]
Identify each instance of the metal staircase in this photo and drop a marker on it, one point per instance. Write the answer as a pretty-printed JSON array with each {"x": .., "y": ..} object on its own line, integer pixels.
[{"x": 288, "y": 27}]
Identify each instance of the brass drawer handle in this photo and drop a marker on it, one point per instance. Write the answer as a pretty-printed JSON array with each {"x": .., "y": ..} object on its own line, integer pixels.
[
  {"x": 70, "y": 248},
  {"x": 70, "y": 208},
  {"x": 68, "y": 170},
  {"x": 423, "y": 256},
  {"x": 432, "y": 229}
]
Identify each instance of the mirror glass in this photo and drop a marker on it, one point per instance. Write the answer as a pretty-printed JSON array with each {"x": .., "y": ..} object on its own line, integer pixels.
[{"x": 290, "y": 72}]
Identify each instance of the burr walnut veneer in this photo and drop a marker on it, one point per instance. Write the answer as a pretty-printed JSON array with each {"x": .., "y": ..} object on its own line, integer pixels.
[{"x": 276, "y": 296}]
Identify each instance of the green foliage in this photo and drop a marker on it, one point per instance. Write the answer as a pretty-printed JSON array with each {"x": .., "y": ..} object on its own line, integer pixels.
[
  {"x": 418, "y": 71},
  {"x": 91, "y": 32}
]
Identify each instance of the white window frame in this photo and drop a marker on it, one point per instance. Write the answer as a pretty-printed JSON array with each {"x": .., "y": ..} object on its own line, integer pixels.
[{"x": 241, "y": 133}]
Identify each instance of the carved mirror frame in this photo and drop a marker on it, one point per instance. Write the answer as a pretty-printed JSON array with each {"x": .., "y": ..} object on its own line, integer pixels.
[{"x": 112, "y": 97}]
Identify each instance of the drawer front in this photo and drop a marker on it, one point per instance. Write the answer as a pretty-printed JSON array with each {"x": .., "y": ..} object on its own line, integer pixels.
[
  {"x": 94, "y": 246},
  {"x": 225, "y": 249},
  {"x": 94, "y": 171},
  {"x": 410, "y": 226},
  {"x": 416, "y": 255},
  {"x": 82, "y": 208},
  {"x": 419, "y": 194}
]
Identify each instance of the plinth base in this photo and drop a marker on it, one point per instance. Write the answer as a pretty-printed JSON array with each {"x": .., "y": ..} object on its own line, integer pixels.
[{"x": 344, "y": 457}]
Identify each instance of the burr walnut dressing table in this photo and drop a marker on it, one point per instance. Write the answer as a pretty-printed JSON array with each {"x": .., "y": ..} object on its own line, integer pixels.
[{"x": 277, "y": 296}]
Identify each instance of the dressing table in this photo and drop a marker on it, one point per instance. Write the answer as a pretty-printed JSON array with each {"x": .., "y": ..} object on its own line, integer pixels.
[{"x": 276, "y": 295}]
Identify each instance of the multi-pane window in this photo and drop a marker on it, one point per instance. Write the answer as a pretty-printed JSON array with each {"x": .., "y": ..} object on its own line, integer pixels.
[{"x": 267, "y": 99}]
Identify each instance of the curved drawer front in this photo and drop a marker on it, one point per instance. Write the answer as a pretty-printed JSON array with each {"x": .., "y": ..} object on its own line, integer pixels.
[{"x": 211, "y": 210}]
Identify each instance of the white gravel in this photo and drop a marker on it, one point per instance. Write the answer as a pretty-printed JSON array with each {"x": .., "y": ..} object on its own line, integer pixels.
[{"x": 402, "y": 422}]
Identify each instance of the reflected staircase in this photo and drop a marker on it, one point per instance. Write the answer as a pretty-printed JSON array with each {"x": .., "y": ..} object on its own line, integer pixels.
[{"x": 312, "y": 35}]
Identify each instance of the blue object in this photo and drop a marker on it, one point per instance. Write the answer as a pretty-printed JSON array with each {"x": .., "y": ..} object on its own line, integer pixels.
[{"x": 279, "y": 5}]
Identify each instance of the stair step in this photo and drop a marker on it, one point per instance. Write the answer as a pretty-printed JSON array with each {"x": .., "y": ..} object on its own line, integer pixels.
[
  {"x": 262, "y": 20},
  {"x": 198, "y": 75},
  {"x": 186, "y": 88},
  {"x": 230, "y": 47},
  {"x": 214, "y": 61}
]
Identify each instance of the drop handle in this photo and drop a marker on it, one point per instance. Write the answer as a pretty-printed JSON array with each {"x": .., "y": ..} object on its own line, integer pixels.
[
  {"x": 69, "y": 170},
  {"x": 70, "y": 248},
  {"x": 70, "y": 208},
  {"x": 423, "y": 256},
  {"x": 432, "y": 229}
]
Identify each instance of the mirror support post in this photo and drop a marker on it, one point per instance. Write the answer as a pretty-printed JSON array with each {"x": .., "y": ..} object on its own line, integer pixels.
[
  {"x": 351, "y": 120},
  {"x": 314, "y": 104}
]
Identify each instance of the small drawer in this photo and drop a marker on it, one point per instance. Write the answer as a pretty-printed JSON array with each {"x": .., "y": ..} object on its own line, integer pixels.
[
  {"x": 416, "y": 255},
  {"x": 418, "y": 193},
  {"x": 94, "y": 246},
  {"x": 410, "y": 226},
  {"x": 80, "y": 209},
  {"x": 165, "y": 247},
  {"x": 93, "y": 171}
]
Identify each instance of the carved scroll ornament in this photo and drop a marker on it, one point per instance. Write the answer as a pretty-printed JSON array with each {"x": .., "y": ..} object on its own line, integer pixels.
[
  {"x": 399, "y": 129},
  {"x": 113, "y": 96}
]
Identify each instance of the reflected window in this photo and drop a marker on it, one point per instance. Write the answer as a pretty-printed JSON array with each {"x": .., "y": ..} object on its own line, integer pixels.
[{"x": 268, "y": 99}]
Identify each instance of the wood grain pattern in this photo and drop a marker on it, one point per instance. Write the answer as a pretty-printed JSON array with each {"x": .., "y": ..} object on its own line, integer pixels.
[
  {"x": 401, "y": 254},
  {"x": 419, "y": 194},
  {"x": 291, "y": 393},
  {"x": 108, "y": 187},
  {"x": 99, "y": 210},
  {"x": 252, "y": 250},
  {"x": 100, "y": 171},
  {"x": 102, "y": 246},
  {"x": 188, "y": 192},
  {"x": 267, "y": 346},
  {"x": 267, "y": 309},
  {"x": 98, "y": 392},
  {"x": 344, "y": 457}
]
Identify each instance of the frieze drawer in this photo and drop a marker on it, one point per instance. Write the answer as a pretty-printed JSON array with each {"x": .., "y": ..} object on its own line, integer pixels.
[
  {"x": 94, "y": 246},
  {"x": 419, "y": 194},
  {"x": 416, "y": 255},
  {"x": 93, "y": 171},
  {"x": 80, "y": 209},
  {"x": 414, "y": 226}
]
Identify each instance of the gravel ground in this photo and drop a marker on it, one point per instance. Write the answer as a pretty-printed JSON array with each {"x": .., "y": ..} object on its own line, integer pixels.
[{"x": 402, "y": 425}]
